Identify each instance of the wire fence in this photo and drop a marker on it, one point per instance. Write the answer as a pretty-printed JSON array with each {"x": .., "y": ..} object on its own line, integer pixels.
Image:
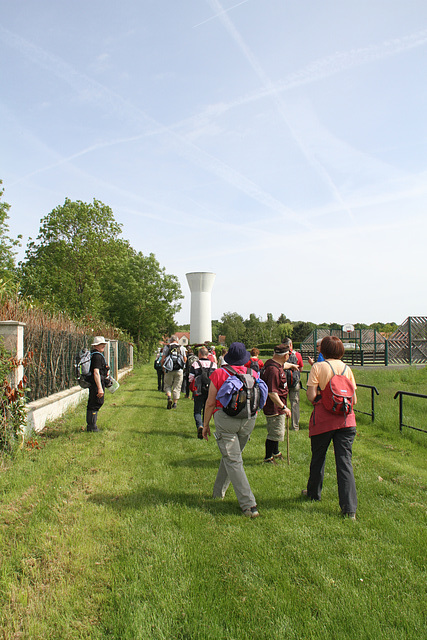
[{"x": 52, "y": 366}]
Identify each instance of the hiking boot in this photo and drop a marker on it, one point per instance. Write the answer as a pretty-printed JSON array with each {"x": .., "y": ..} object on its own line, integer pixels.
[
  {"x": 92, "y": 429},
  {"x": 252, "y": 512},
  {"x": 169, "y": 405},
  {"x": 304, "y": 494},
  {"x": 278, "y": 456},
  {"x": 174, "y": 405},
  {"x": 269, "y": 461},
  {"x": 200, "y": 433},
  {"x": 350, "y": 516}
]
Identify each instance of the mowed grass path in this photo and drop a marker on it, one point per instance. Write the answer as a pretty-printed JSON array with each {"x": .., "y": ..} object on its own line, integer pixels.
[{"x": 114, "y": 535}]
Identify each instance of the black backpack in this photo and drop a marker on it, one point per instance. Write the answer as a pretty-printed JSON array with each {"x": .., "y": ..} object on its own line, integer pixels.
[
  {"x": 254, "y": 365},
  {"x": 293, "y": 376},
  {"x": 201, "y": 379},
  {"x": 245, "y": 402}
]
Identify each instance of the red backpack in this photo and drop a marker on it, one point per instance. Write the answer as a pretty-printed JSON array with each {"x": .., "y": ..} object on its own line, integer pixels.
[{"x": 338, "y": 395}]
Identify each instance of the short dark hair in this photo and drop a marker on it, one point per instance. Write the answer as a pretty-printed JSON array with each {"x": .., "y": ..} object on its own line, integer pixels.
[
  {"x": 254, "y": 352},
  {"x": 332, "y": 347}
]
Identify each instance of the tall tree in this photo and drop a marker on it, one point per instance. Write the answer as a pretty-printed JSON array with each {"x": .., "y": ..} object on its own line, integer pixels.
[
  {"x": 143, "y": 298},
  {"x": 7, "y": 245},
  {"x": 301, "y": 330},
  {"x": 232, "y": 327},
  {"x": 253, "y": 330},
  {"x": 77, "y": 248}
]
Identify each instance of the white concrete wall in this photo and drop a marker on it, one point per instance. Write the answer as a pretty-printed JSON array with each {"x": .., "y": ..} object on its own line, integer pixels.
[{"x": 45, "y": 410}]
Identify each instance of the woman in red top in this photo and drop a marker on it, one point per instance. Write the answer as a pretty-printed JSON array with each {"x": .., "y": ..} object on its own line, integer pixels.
[
  {"x": 326, "y": 426},
  {"x": 231, "y": 434}
]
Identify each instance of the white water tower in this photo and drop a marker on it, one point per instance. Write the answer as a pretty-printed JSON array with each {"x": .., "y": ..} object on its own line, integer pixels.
[{"x": 200, "y": 283}]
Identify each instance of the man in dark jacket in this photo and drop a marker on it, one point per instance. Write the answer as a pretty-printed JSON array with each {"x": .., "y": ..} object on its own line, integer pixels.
[{"x": 98, "y": 374}]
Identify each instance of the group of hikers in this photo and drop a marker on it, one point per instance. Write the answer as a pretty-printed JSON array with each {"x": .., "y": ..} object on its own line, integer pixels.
[{"x": 234, "y": 387}]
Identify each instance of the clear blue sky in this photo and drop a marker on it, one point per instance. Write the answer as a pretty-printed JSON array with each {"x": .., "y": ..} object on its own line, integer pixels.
[{"x": 281, "y": 144}]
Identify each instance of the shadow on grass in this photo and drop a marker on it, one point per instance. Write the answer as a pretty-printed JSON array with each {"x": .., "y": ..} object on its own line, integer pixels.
[
  {"x": 200, "y": 463},
  {"x": 154, "y": 497},
  {"x": 161, "y": 432}
]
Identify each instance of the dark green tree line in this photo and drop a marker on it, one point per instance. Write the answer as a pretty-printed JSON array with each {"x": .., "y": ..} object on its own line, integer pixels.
[{"x": 80, "y": 264}]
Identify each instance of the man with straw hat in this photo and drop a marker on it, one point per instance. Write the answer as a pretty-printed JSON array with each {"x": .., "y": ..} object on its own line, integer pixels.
[{"x": 98, "y": 373}]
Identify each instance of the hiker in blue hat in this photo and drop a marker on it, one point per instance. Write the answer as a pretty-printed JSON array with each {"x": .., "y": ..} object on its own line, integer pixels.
[{"x": 231, "y": 433}]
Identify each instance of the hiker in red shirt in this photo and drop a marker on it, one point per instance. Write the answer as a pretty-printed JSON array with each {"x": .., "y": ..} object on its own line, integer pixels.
[
  {"x": 255, "y": 363},
  {"x": 231, "y": 434}
]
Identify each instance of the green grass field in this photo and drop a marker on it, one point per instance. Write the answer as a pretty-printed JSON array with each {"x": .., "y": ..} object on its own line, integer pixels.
[{"x": 114, "y": 535}]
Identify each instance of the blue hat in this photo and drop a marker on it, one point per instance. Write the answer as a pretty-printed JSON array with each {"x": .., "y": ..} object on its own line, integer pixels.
[{"x": 237, "y": 354}]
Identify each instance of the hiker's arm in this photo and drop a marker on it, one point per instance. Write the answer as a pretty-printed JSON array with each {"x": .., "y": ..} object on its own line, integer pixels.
[
  {"x": 97, "y": 379},
  {"x": 274, "y": 397},
  {"x": 209, "y": 409},
  {"x": 311, "y": 393},
  {"x": 291, "y": 365}
]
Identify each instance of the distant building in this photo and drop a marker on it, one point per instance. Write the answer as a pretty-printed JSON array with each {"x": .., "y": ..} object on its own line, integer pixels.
[
  {"x": 183, "y": 338},
  {"x": 221, "y": 341}
]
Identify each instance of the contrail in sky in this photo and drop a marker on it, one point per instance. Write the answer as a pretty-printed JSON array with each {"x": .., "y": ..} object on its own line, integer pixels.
[
  {"x": 216, "y": 15},
  {"x": 270, "y": 87},
  {"x": 93, "y": 91}
]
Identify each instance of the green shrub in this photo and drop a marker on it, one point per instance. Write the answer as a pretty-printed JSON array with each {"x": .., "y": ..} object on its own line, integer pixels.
[{"x": 13, "y": 417}]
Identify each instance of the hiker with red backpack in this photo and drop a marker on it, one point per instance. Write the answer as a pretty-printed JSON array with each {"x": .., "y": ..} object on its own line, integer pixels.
[
  {"x": 235, "y": 395},
  {"x": 331, "y": 389}
]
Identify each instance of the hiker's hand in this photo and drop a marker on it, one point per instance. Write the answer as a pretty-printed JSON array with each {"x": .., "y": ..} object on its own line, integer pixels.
[
  {"x": 206, "y": 432},
  {"x": 288, "y": 412},
  {"x": 100, "y": 393},
  {"x": 310, "y": 361}
]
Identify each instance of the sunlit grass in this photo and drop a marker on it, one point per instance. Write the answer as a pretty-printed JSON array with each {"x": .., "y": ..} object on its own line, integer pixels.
[{"x": 114, "y": 535}]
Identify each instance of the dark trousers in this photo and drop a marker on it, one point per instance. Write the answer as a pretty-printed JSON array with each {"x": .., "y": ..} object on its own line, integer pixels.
[
  {"x": 160, "y": 379},
  {"x": 94, "y": 403},
  {"x": 199, "y": 409},
  {"x": 186, "y": 384},
  {"x": 343, "y": 443}
]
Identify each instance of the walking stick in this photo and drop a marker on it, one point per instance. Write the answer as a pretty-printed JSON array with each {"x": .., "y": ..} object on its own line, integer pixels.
[{"x": 287, "y": 437}]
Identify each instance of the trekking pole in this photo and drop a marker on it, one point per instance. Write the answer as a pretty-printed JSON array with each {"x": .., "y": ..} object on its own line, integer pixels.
[{"x": 287, "y": 437}]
